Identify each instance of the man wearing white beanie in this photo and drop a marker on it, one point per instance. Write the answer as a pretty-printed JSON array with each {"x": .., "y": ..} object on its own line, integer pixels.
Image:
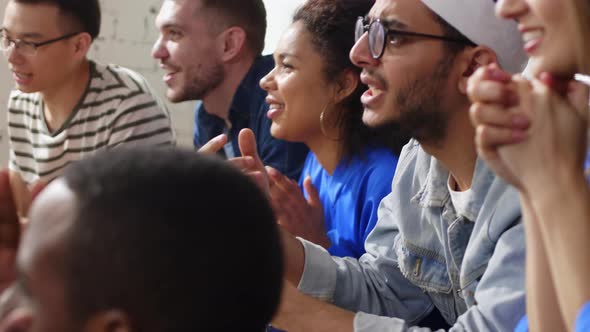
[{"x": 448, "y": 249}]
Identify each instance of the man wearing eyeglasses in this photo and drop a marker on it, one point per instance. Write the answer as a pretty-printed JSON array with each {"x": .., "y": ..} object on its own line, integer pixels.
[
  {"x": 448, "y": 242},
  {"x": 65, "y": 106}
]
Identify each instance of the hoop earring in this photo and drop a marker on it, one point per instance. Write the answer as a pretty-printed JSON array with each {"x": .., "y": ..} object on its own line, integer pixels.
[{"x": 322, "y": 128}]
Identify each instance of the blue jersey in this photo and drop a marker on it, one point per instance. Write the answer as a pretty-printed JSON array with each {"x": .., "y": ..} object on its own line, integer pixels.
[{"x": 351, "y": 196}]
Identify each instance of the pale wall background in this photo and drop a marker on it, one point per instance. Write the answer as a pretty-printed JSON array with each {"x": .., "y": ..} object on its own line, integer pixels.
[{"x": 126, "y": 39}]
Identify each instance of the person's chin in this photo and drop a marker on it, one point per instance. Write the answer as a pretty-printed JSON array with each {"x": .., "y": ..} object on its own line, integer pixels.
[
  {"x": 175, "y": 96},
  {"x": 374, "y": 118},
  {"x": 280, "y": 132},
  {"x": 26, "y": 88}
]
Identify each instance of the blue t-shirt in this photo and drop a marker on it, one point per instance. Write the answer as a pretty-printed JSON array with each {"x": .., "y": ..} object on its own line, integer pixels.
[
  {"x": 582, "y": 321},
  {"x": 248, "y": 110},
  {"x": 351, "y": 196}
]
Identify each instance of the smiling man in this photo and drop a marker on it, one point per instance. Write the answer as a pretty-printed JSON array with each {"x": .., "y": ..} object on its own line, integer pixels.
[
  {"x": 448, "y": 248},
  {"x": 66, "y": 107},
  {"x": 210, "y": 51}
]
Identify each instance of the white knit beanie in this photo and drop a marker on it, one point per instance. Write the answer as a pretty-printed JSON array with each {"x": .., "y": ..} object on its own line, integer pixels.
[{"x": 477, "y": 21}]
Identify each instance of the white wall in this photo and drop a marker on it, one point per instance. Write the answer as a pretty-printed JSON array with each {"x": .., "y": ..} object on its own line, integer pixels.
[{"x": 126, "y": 39}]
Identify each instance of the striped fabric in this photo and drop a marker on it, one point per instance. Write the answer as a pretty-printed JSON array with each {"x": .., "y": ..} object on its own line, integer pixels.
[{"x": 118, "y": 108}]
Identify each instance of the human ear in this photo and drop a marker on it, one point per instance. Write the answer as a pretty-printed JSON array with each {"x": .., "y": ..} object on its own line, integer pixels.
[
  {"x": 347, "y": 84},
  {"x": 471, "y": 60},
  {"x": 234, "y": 41}
]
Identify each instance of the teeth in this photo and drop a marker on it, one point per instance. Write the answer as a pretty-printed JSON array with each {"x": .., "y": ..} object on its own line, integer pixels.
[
  {"x": 375, "y": 91},
  {"x": 275, "y": 106},
  {"x": 21, "y": 75},
  {"x": 531, "y": 35}
]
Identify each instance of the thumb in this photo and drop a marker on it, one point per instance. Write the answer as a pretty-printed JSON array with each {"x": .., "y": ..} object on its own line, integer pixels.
[
  {"x": 247, "y": 142},
  {"x": 214, "y": 145},
  {"x": 313, "y": 197}
]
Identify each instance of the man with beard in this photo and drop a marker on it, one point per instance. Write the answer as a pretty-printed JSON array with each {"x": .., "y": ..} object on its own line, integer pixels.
[
  {"x": 448, "y": 243},
  {"x": 210, "y": 50}
]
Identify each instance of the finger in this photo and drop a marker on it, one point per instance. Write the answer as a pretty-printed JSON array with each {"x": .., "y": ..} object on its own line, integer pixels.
[
  {"x": 214, "y": 145},
  {"x": 313, "y": 197},
  {"x": 492, "y": 92},
  {"x": 247, "y": 142},
  {"x": 281, "y": 180},
  {"x": 245, "y": 164},
  {"x": 491, "y": 72},
  {"x": 491, "y": 115},
  {"x": 489, "y": 137}
]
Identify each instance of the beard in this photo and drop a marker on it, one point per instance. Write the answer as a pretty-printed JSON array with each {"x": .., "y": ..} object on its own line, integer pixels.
[
  {"x": 420, "y": 106},
  {"x": 200, "y": 82}
]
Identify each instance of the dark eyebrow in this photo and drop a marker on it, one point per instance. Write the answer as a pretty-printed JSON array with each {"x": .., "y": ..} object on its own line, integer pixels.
[
  {"x": 388, "y": 23},
  {"x": 394, "y": 24},
  {"x": 287, "y": 54}
]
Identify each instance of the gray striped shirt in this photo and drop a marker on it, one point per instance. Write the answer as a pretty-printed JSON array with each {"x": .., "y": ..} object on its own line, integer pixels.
[{"x": 117, "y": 108}]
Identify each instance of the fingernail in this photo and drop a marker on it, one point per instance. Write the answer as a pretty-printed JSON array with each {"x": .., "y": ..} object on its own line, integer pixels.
[
  {"x": 272, "y": 172},
  {"x": 496, "y": 73}
]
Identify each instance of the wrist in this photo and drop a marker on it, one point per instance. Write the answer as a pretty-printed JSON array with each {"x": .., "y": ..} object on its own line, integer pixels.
[
  {"x": 560, "y": 194},
  {"x": 550, "y": 187}
]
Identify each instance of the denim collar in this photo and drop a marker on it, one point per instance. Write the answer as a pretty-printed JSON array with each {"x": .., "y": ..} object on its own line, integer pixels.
[{"x": 435, "y": 192}]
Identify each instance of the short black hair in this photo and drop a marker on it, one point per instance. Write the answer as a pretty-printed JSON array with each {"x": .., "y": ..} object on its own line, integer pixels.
[
  {"x": 250, "y": 15},
  {"x": 84, "y": 13},
  {"x": 331, "y": 24},
  {"x": 449, "y": 31},
  {"x": 177, "y": 240}
]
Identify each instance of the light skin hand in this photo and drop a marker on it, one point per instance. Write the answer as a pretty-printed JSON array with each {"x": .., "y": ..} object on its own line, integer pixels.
[
  {"x": 301, "y": 217},
  {"x": 214, "y": 145},
  {"x": 250, "y": 162},
  {"x": 493, "y": 114},
  {"x": 556, "y": 139}
]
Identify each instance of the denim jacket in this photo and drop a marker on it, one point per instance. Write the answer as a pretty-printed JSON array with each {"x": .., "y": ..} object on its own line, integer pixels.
[
  {"x": 423, "y": 255},
  {"x": 248, "y": 110}
]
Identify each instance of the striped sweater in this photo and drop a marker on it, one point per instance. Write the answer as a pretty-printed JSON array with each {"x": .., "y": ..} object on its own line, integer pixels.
[{"x": 118, "y": 108}]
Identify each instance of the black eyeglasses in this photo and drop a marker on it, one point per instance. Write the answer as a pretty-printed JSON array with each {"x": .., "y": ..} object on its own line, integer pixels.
[
  {"x": 26, "y": 47},
  {"x": 378, "y": 33}
]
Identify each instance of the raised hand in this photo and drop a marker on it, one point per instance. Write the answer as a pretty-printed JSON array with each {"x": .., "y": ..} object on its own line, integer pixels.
[
  {"x": 250, "y": 162},
  {"x": 494, "y": 95},
  {"x": 556, "y": 143},
  {"x": 300, "y": 217}
]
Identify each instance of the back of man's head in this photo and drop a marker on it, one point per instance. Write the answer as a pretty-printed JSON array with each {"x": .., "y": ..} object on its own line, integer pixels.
[
  {"x": 175, "y": 240},
  {"x": 83, "y": 15},
  {"x": 250, "y": 15}
]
